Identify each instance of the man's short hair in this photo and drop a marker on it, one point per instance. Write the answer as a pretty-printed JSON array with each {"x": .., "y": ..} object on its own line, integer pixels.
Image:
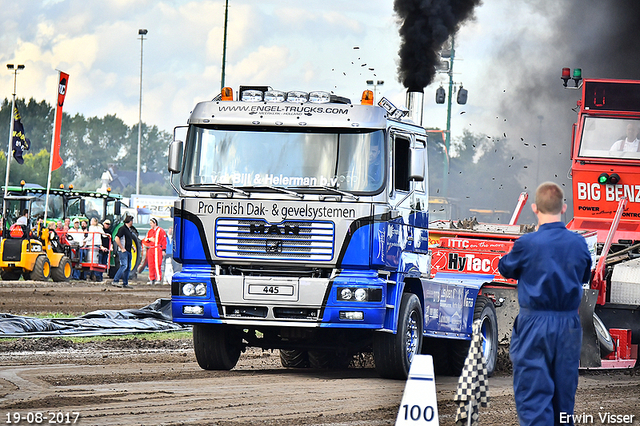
[
  {"x": 25, "y": 212},
  {"x": 549, "y": 198},
  {"x": 128, "y": 219}
]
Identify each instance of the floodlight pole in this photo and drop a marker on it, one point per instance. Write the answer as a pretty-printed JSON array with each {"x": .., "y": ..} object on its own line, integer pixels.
[
  {"x": 447, "y": 140},
  {"x": 375, "y": 84},
  {"x": 141, "y": 33}
]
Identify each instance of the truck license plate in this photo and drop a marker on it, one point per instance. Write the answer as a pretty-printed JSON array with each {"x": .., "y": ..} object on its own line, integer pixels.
[{"x": 276, "y": 290}]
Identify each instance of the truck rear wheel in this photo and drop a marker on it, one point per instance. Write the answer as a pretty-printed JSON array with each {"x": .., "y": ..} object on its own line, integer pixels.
[
  {"x": 41, "y": 269},
  {"x": 63, "y": 271},
  {"x": 486, "y": 312},
  {"x": 393, "y": 353},
  {"x": 216, "y": 346},
  {"x": 294, "y": 358},
  {"x": 606, "y": 342},
  {"x": 328, "y": 360}
]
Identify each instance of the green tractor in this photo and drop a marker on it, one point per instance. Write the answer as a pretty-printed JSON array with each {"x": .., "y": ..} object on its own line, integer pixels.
[{"x": 83, "y": 205}]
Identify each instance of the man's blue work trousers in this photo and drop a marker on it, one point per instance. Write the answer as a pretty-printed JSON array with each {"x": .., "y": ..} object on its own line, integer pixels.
[
  {"x": 125, "y": 267},
  {"x": 545, "y": 352}
]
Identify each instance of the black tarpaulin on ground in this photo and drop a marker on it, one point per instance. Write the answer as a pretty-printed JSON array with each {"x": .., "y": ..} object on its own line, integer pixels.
[{"x": 155, "y": 317}]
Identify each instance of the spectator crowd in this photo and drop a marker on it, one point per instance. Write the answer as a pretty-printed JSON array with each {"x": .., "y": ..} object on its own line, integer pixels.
[{"x": 91, "y": 243}]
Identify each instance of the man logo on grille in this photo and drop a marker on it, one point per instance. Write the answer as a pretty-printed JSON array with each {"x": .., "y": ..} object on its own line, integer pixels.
[
  {"x": 270, "y": 229},
  {"x": 273, "y": 246}
]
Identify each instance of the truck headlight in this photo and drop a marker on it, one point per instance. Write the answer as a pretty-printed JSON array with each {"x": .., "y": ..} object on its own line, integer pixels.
[
  {"x": 194, "y": 289},
  {"x": 201, "y": 289},
  {"x": 359, "y": 294},
  {"x": 345, "y": 294}
]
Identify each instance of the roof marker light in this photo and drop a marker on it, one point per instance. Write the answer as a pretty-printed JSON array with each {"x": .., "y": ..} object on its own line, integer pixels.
[
  {"x": 319, "y": 97},
  {"x": 296, "y": 96},
  {"x": 274, "y": 96},
  {"x": 251, "y": 95},
  {"x": 367, "y": 97},
  {"x": 577, "y": 76},
  {"x": 566, "y": 75},
  {"x": 227, "y": 94}
]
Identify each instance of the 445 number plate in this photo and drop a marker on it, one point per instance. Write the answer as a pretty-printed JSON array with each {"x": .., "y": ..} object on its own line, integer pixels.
[{"x": 282, "y": 290}]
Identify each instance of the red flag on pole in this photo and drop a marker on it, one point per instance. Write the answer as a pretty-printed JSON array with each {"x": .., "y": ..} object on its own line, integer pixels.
[{"x": 62, "y": 91}]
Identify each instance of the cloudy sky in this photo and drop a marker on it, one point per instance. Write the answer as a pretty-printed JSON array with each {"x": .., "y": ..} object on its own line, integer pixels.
[
  {"x": 304, "y": 47},
  {"x": 508, "y": 56}
]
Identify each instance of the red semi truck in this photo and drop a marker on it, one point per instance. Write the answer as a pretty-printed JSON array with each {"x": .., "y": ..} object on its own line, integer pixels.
[{"x": 605, "y": 170}]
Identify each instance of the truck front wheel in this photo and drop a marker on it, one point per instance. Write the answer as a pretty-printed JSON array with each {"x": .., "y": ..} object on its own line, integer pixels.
[
  {"x": 217, "y": 347},
  {"x": 393, "y": 353}
]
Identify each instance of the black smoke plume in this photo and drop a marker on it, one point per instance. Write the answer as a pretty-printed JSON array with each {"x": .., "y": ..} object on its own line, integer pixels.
[
  {"x": 424, "y": 26},
  {"x": 524, "y": 87}
]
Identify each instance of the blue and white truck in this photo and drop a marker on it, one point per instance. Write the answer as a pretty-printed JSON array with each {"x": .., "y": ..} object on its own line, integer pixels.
[{"x": 302, "y": 226}]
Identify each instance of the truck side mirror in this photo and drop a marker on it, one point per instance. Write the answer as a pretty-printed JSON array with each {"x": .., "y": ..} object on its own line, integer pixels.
[
  {"x": 175, "y": 157},
  {"x": 416, "y": 164},
  {"x": 82, "y": 207},
  {"x": 117, "y": 209}
]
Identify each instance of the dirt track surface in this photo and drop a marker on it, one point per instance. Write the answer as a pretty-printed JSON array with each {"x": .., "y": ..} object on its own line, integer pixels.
[{"x": 159, "y": 382}]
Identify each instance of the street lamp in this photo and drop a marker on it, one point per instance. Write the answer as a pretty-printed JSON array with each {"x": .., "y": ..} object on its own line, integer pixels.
[
  {"x": 141, "y": 33},
  {"x": 375, "y": 84},
  {"x": 15, "y": 69}
]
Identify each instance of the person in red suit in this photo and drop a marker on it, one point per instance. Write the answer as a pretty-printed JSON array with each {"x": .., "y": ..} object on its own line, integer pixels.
[{"x": 156, "y": 243}]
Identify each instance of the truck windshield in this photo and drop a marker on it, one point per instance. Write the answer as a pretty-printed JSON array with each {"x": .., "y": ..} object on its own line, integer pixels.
[
  {"x": 351, "y": 161},
  {"x": 610, "y": 138}
]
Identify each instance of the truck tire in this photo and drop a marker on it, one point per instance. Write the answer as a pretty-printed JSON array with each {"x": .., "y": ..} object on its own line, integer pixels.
[
  {"x": 606, "y": 342},
  {"x": 393, "y": 353},
  {"x": 439, "y": 351},
  {"x": 136, "y": 256},
  {"x": 328, "y": 360},
  {"x": 294, "y": 358},
  {"x": 216, "y": 346},
  {"x": 11, "y": 274},
  {"x": 63, "y": 271},
  {"x": 486, "y": 312},
  {"x": 41, "y": 269}
]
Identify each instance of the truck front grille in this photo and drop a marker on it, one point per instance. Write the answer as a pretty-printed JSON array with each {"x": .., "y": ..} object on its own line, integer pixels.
[{"x": 288, "y": 240}]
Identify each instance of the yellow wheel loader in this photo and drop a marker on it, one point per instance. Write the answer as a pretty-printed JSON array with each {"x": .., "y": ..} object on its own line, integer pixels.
[{"x": 35, "y": 255}]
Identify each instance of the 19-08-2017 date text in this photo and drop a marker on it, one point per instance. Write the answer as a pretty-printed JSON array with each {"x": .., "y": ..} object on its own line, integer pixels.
[{"x": 43, "y": 417}]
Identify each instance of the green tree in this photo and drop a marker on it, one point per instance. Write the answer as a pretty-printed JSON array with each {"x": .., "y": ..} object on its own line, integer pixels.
[
  {"x": 89, "y": 145},
  {"x": 154, "y": 147},
  {"x": 34, "y": 170}
]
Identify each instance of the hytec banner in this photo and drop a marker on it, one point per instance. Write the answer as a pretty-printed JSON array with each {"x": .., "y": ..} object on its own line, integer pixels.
[
  {"x": 19, "y": 142},
  {"x": 62, "y": 91}
]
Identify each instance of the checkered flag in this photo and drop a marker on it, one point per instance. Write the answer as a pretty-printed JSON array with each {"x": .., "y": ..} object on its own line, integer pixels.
[{"x": 473, "y": 388}]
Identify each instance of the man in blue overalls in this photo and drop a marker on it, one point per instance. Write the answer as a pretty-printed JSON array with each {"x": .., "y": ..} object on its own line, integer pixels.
[{"x": 550, "y": 265}]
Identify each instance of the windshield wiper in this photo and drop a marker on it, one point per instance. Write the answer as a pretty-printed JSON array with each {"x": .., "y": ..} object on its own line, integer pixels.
[
  {"x": 278, "y": 189},
  {"x": 328, "y": 188},
  {"x": 223, "y": 186}
]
